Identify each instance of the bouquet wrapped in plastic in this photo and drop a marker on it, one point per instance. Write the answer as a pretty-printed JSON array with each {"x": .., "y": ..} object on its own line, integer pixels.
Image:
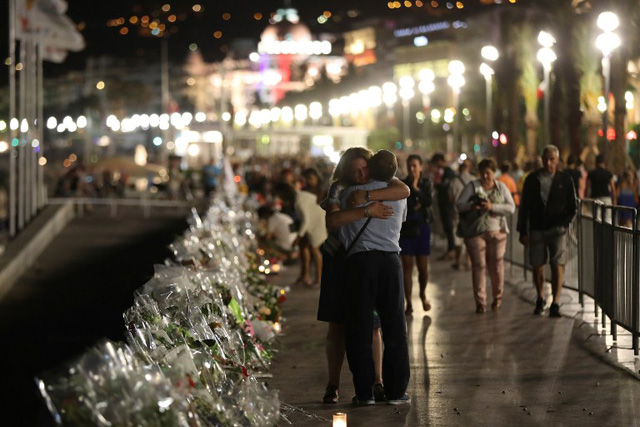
[{"x": 109, "y": 386}]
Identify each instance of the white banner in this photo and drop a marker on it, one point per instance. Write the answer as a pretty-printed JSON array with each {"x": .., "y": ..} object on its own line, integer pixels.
[{"x": 45, "y": 21}]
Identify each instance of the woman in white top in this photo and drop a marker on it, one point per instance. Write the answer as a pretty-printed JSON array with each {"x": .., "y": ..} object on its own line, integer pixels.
[
  {"x": 492, "y": 201},
  {"x": 312, "y": 227}
]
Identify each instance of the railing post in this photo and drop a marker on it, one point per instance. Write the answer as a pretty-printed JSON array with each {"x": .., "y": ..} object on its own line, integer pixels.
[
  {"x": 580, "y": 254},
  {"x": 602, "y": 272},
  {"x": 635, "y": 285},
  {"x": 596, "y": 270},
  {"x": 614, "y": 292}
]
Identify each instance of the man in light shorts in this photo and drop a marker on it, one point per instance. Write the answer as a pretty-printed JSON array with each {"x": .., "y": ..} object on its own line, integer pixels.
[{"x": 547, "y": 207}]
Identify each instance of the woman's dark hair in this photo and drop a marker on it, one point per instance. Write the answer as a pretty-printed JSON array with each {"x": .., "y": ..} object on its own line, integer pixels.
[
  {"x": 265, "y": 212},
  {"x": 310, "y": 172},
  {"x": 487, "y": 164},
  {"x": 285, "y": 191},
  {"x": 340, "y": 172},
  {"x": 573, "y": 160},
  {"x": 414, "y": 157}
]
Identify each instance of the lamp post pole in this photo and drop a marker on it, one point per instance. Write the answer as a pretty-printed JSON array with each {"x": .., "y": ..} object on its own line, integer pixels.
[
  {"x": 489, "y": 53},
  {"x": 607, "y": 42},
  {"x": 547, "y": 98},
  {"x": 606, "y": 72},
  {"x": 426, "y": 87},
  {"x": 456, "y": 81}
]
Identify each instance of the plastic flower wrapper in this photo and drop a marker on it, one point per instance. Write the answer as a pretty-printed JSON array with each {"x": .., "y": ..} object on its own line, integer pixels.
[{"x": 109, "y": 386}]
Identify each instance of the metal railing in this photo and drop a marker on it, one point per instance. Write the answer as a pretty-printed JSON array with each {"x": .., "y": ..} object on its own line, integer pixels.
[
  {"x": 603, "y": 262},
  {"x": 82, "y": 203}
]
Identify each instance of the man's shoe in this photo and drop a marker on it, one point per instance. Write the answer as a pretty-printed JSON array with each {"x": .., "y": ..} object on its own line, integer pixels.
[
  {"x": 496, "y": 305},
  {"x": 539, "y": 306},
  {"x": 480, "y": 309},
  {"x": 400, "y": 401},
  {"x": 554, "y": 310},
  {"x": 331, "y": 394},
  {"x": 362, "y": 402},
  {"x": 378, "y": 393}
]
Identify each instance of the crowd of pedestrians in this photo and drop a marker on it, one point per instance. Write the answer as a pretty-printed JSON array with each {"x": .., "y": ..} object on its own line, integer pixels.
[{"x": 360, "y": 231}]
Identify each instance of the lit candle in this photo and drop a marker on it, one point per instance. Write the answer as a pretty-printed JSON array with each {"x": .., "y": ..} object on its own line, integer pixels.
[{"x": 339, "y": 419}]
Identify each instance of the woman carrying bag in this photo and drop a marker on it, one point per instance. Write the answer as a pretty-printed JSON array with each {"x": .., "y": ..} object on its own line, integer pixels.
[
  {"x": 483, "y": 206},
  {"x": 415, "y": 236}
]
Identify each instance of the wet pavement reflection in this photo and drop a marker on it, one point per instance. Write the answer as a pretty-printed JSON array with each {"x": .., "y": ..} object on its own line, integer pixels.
[{"x": 491, "y": 369}]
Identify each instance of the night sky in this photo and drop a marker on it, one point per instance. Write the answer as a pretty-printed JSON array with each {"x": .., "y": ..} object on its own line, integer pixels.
[{"x": 245, "y": 19}]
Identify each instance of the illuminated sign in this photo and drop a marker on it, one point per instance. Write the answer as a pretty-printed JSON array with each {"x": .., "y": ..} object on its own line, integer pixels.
[
  {"x": 291, "y": 47},
  {"x": 429, "y": 28}
]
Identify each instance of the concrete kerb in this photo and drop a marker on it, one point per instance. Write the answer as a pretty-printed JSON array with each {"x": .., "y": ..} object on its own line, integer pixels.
[
  {"x": 586, "y": 328},
  {"x": 23, "y": 251}
]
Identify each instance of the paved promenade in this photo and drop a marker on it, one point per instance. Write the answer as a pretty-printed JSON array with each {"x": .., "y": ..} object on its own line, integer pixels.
[
  {"x": 496, "y": 369},
  {"x": 503, "y": 369}
]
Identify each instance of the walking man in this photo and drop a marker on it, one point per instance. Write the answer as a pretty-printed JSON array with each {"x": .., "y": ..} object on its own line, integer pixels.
[
  {"x": 445, "y": 205},
  {"x": 547, "y": 207},
  {"x": 374, "y": 277}
]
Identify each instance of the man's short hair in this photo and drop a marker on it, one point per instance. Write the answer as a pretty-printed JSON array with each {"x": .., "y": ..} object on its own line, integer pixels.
[
  {"x": 599, "y": 159},
  {"x": 549, "y": 148},
  {"x": 438, "y": 157},
  {"x": 505, "y": 166},
  {"x": 383, "y": 166}
]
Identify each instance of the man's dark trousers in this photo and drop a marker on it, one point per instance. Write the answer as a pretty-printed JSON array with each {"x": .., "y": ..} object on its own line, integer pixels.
[
  {"x": 446, "y": 217},
  {"x": 374, "y": 281}
]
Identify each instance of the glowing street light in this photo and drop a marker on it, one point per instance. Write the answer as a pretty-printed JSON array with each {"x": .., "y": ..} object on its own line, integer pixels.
[
  {"x": 490, "y": 53},
  {"x": 546, "y": 56}
]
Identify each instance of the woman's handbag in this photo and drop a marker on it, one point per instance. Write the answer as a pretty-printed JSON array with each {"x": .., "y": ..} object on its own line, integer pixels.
[
  {"x": 471, "y": 223},
  {"x": 410, "y": 228}
]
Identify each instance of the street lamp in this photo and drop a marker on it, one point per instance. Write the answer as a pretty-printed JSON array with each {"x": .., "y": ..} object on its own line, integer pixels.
[
  {"x": 456, "y": 81},
  {"x": 426, "y": 87},
  {"x": 489, "y": 53},
  {"x": 607, "y": 42},
  {"x": 406, "y": 94},
  {"x": 546, "y": 56}
]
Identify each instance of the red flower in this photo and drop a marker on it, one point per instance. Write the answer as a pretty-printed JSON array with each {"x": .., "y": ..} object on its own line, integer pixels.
[{"x": 191, "y": 382}]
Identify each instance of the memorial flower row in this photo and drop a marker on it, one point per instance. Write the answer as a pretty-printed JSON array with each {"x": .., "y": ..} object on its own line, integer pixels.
[{"x": 199, "y": 339}]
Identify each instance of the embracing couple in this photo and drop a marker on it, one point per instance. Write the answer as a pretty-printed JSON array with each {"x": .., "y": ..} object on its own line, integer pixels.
[{"x": 364, "y": 292}]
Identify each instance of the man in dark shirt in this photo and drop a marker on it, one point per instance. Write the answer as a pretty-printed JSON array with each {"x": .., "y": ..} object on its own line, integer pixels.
[
  {"x": 445, "y": 205},
  {"x": 601, "y": 186},
  {"x": 547, "y": 207}
]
